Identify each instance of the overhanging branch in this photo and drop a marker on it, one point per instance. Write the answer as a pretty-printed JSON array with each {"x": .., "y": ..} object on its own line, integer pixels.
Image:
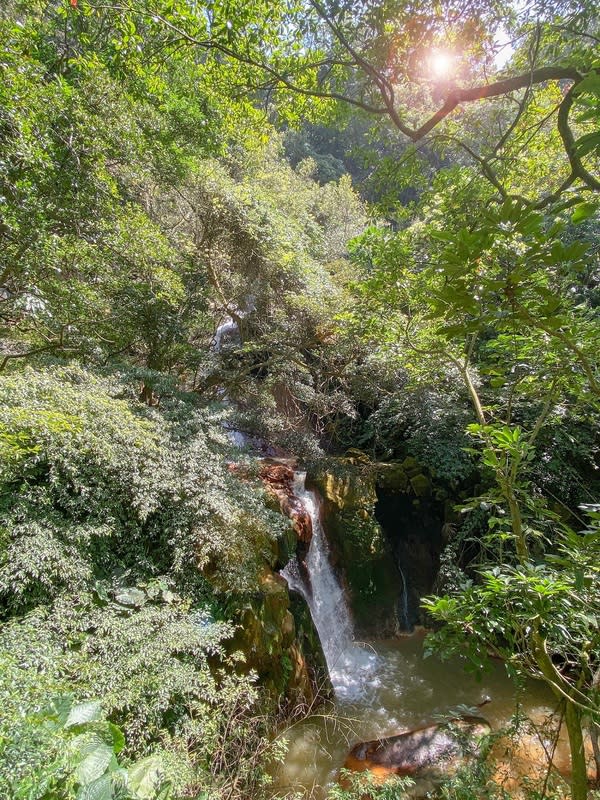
[{"x": 497, "y": 89}]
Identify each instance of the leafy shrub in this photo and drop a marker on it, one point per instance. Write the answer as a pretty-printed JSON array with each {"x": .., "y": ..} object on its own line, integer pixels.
[
  {"x": 118, "y": 524},
  {"x": 93, "y": 484},
  {"x": 50, "y": 746}
]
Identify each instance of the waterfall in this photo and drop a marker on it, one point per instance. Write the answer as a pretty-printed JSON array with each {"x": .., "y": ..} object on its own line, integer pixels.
[
  {"x": 228, "y": 332},
  {"x": 403, "y": 605},
  {"x": 350, "y": 665}
]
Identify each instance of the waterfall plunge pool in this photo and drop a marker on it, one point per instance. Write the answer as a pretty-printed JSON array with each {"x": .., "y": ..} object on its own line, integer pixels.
[{"x": 404, "y": 691}]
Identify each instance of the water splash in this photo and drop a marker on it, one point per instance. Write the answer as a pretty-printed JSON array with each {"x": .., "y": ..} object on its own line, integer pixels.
[{"x": 351, "y": 666}]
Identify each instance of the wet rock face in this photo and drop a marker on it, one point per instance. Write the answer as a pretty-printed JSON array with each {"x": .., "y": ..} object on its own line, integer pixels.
[
  {"x": 277, "y": 644},
  {"x": 278, "y": 479},
  {"x": 385, "y": 524},
  {"x": 278, "y": 641},
  {"x": 427, "y": 754},
  {"x": 414, "y": 530},
  {"x": 358, "y": 547}
]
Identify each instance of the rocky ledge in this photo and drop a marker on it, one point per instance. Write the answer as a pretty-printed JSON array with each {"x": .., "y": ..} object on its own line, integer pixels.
[{"x": 278, "y": 478}]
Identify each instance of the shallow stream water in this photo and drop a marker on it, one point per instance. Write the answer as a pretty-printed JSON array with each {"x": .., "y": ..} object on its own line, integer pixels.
[{"x": 405, "y": 691}]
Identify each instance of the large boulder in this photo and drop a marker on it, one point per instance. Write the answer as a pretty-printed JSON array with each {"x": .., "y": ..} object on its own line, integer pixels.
[{"x": 428, "y": 755}]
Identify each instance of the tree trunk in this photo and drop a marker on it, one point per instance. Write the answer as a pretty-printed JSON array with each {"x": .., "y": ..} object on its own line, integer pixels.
[{"x": 579, "y": 784}]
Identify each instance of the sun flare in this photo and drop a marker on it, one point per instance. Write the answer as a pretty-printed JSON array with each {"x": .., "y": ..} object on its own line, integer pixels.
[{"x": 441, "y": 63}]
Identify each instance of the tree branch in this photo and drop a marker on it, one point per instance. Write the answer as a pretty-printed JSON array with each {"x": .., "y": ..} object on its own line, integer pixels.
[
  {"x": 570, "y": 145},
  {"x": 496, "y": 89}
]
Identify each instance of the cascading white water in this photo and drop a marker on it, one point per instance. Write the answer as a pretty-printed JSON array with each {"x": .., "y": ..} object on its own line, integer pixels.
[
  {"x": 228, "y": 331},
  {"x": 351, "y": 667},
  {"x": 403, "y": 605}
]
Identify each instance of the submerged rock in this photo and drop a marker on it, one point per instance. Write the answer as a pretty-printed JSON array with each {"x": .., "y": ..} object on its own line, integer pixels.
[{"x": 427, "y": 754}]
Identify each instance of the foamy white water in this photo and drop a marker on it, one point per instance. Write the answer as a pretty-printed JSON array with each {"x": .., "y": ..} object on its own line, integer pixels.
[
  {"x": 352, "y": 667},
  {"x": 228, "y": 332}
]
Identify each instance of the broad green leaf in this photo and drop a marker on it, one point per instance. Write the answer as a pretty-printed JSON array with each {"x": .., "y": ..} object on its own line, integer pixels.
[
  {"x": 583, "y": 211},
  {"x": 83, "y": 713},
  {"x": 100, "y": 789},
  {"x": 133, "y": 598},
  {"x": 117, "y": 737},
  {"x": 144, "y": 777},
  {"x": 60, "y": 707},
  {"x": 588, "y": 143},
  {"x": 97, "y": 756}
]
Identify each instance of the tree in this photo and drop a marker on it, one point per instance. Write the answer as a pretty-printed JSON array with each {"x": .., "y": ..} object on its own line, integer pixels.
[
  {"x": 381, "y": 60},
  {"x": 498, "y": 305}
]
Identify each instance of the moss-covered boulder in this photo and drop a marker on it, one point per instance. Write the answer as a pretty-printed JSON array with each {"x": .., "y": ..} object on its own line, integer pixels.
[
  {"x": 411, "y": 466},
  {"x": 392, "y": 476},
  {"x": 288, "y": 660},
  {"x": 359, "y": 548},
  {"x": 421, "y": 485}
]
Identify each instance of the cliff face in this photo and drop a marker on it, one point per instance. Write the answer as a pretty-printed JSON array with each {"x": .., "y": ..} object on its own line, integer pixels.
[
  {"x": 385, "y": 525},
  {"x": 359, "y": 548}
]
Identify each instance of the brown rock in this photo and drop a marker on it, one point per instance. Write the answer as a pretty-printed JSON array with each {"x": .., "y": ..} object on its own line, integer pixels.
[
  {"x": 429, "y": 753},
  {"x": 278, "y": 479}
]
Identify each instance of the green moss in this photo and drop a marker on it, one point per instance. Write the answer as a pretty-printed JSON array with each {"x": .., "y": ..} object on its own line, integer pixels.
[
  {"x": 421, "y": 485},
  {"x": 392, "y": 477},
  {"x": 411, "y": 466}
]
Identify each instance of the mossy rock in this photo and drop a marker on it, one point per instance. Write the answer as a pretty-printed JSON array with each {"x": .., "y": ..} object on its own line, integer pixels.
[
  {"x": 267, "y": 636},
  {"x": 359, "y": 549},
  {"x": 348, "y": 488},
  {"x": 307, "y": 640},
  {"x": 356, "y": 456},
  {"x": 421, "y": 485},
  {"x": 392, "y": 477},
  {"x": 284, "y": 547},
  {"x": 411, "y": 466}
]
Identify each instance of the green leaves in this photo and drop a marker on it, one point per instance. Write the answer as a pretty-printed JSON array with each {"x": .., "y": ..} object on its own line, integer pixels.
[
  {"x": 83, "y": 713},
  {"x": 144, "y": 777},
  {"x": 583, "y": 212},
  {"x": 95, "y": 757},
  {"x": 68, "y": 750}
]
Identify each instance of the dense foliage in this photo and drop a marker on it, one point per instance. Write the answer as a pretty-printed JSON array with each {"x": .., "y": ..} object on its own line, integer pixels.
[{"x": 111, "y": 515}]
